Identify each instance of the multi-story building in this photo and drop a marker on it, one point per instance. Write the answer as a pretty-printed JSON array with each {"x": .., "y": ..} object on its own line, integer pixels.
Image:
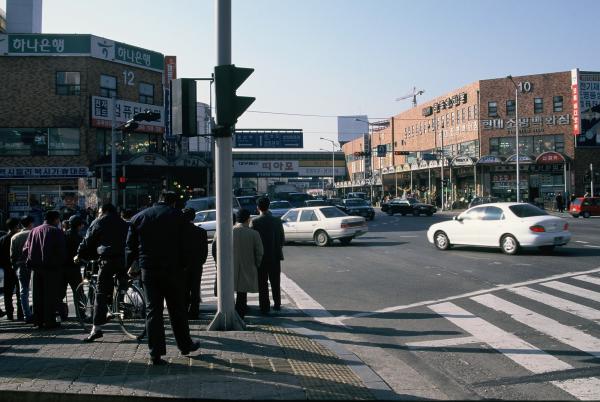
[
  {"x": 62, "y": 96},
  {"x": 474, "y": 128}
]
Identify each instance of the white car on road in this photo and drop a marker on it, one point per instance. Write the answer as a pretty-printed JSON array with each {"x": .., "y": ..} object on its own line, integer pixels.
[
  {"x": 322, "y": 225},
  {"x": 508, "y": 225},
  {"x": 207, "y": 220}
]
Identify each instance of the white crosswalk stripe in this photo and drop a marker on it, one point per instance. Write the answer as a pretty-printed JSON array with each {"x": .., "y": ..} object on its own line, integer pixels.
[{"x": 515, "y": 345}]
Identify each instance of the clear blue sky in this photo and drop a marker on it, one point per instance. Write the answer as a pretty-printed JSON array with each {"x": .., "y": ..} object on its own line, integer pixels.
[{"x": 340, "y": 57}]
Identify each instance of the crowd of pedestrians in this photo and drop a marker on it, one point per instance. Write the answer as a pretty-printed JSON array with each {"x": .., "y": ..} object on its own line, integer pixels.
[{"x": 160, "y": 243}]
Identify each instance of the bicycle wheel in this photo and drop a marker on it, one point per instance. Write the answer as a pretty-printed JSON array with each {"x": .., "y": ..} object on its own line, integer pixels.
[
  {"x": 84, "y": 299},
  {"x": 131, "y": 312}
]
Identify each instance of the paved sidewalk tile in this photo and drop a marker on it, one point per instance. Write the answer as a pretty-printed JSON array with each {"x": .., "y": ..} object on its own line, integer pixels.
[{"x": 264, "y": 362}]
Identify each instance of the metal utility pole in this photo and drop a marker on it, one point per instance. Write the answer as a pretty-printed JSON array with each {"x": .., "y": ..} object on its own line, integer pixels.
[
  {"x": 517, "y": 136},
  {"x": 332, "y": 163},
  {"x": 226, "y": 317},
  {"x": 591, "y": 180},
  {"x": 113, "y": 155}
]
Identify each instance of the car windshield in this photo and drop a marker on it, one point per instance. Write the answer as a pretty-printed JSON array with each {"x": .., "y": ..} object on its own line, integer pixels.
[
  {"x": 577, "y": 201},
  {"x": 332, "y": 212},
  {"x": 280, "y": 205},
  {"x": 249, "y": 202},
  {"x": 411, "y": 200},
  {"x": 526, "y": 210},
  {"x": 356, "y": 202},
  {"x": 204, "y": 216}
]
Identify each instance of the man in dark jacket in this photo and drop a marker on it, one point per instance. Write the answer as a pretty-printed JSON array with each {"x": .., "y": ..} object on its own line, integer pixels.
[
  {"x": 271, "y": 233},
  {"x": 156, "y": 240},
  {"x": 17, "y": 259},
  {"x": 105, "y": 240},
  {"x": 45, "y": 252},
  {"x": 11, "y": 282},
  {"x": 72, "y": 270},
  {"x": 193, "y": 270}
]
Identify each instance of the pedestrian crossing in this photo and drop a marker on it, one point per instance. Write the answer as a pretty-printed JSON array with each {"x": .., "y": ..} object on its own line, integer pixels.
[{"x": 545, "y": 327}]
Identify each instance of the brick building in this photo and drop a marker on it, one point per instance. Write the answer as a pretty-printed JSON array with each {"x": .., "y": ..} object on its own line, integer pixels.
[
  {"x": 56, "y": 114},
  {"x": 475, "y": 126}
]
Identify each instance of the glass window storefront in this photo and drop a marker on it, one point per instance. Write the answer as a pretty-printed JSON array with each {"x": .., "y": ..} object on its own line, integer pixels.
[
  {"x": 39, "y": 141},
  {"x": 131, "y": 144},
  {"x": 37, "y": 199},
  {"x": 531, "y": 145}
]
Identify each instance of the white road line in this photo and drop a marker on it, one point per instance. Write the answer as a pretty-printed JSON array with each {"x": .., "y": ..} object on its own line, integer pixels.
[
  {"x": 519, "y": 351},
  {"x": 563, "y": 333},
  {"x": 440, "y": 343},
  {"x": 588, "y": 278},
  {"x": 574, "y": 290},
  {"x": 590, "y": 246},
  {"x": 465, "y": 295},
  {"x": 307, "y": 304},
  {"x": 582, "y": 242},
  {"x": 562, "y": 304},
  {"x": 513, "y": 347}
]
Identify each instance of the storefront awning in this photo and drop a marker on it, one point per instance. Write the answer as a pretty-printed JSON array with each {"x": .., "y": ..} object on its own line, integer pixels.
[
  {"x": 463, "y": 161},
  {"x": 522, "y": 159},
  {"x": 490, "y": 160},
  {"x": 550, "y": 157}
]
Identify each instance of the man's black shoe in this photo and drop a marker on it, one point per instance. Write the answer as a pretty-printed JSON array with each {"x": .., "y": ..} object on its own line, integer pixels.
[
  {"x": 10, "y": 317},
  {"x": 157, "y": 361},
  {"x": 93, "y": 336},
  {"x": 2, "y": 313},
  {"x": 193, "y": 347},
  {"x": 277, "y": 308}
]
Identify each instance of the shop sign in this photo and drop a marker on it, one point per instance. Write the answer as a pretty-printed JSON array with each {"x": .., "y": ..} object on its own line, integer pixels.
[
  {"x": 102, "y": 114},
  {"x": 148, "y": 160},
  {"x": 43, "y": 172},
  {"x": 490, "y": 160},
  {"x": 462, "y": 161},
  {"x": 263, "y": 168},
  {"x": 423, "y": 165},
  {"x": 414, "y": 166},
  {"x": 527, "y": 124},
  {"x": 585, "y": 97},
  {"x": 549, "y": 158},
  {"x": 447, "y": 103},
  {"x": 190, "y": 162},
  {"x": 522, "y": 159},
  {"x": 434, "y": 164}
]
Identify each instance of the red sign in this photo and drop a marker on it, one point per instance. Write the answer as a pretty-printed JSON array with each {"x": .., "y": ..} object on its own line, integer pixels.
[
  {"x": 170, "y": 69},
  {"x": 550, "y": 158}
]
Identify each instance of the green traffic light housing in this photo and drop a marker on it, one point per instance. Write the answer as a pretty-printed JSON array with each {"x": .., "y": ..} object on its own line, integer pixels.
[{"x": 230, "y": 106}]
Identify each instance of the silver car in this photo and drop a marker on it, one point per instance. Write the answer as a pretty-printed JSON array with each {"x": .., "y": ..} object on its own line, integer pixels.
[
  {"x": 279, "y": 208},
  {"x": 207, "y": 220}
]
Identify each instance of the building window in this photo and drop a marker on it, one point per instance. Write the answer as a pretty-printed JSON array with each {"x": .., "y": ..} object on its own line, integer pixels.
[
  {"x": 530, "y": 145},
  {"x": 39, "y": 141},
  {"x": 510, "y": 107},
  {"x": 538, "y": 105},
  {"x": 68, "y": 83},
  {"x": 146, "y": 93},
  {"x": 132, "y": 144},
  {"x": 493, "y": 109},
  {"x": 108, "y": 86},
  {"x": 557, "y": 104}
]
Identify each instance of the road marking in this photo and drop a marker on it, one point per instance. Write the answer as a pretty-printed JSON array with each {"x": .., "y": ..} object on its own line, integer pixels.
[
  {"x": 465, "y": 295},
  {"x": 574, "y": 290},
  {"x": 440, "y": 343},
  {"x": 563, "y": 333},
  {"x": 307, "y": 304},
  {"x": 406, "y": 236},
  {"x": 590, "y": 246},
  {"x": 518, "y": 350},
  {"x": 581, "y": 241},
  {"x": 562, "y": 304},
  {"x": 587, "y": 278}
]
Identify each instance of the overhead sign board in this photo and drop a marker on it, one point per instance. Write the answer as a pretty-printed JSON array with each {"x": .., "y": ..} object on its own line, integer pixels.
[{"x": 261, "y": 138}]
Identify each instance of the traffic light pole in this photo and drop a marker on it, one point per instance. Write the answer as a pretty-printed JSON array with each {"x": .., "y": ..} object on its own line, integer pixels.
[
  {"x": 226, "y": 317},
  {"x": 592, "y": 179},
  {"x": 113, "y": 155}
]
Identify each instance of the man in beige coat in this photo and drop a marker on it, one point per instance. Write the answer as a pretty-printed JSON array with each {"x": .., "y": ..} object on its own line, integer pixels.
[{"x": 247, "y": 256}]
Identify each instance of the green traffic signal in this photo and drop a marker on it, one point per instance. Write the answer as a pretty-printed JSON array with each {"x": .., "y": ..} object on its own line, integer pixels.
[{"x": 230, "y": 106}]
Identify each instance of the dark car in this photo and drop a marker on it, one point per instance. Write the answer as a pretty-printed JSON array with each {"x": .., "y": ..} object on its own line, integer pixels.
[
  {"x": 248, "y": 202},
  {"x": 409, "y": 206},
  {"x": 483, "y": 200},
  {"x": 585, "y": 206},
  {"x": 316, "y": 203},
  {"x": 357, "y": 207}
]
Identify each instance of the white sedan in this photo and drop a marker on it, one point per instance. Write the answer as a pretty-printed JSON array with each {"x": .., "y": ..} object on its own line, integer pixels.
[
  {"x": 208, "y": 221},
  {"x": 508, "y": 225},
  {"x": 322, "y": 225}
]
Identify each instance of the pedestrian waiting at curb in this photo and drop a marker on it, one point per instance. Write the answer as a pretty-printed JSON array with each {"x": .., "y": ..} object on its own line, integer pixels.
[
  {"x": 196, "y": 258},
  {"x": 247, "y": 256},
  {"x": 11, "y": 282},
  {"x": 17, "y": 258}
]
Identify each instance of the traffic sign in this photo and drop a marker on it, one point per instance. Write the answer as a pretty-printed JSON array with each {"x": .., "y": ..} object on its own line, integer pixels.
[{"x": 267, "y": 138}]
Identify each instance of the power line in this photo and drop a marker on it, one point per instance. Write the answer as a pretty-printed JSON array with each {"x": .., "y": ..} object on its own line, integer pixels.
[{"x": 334, "y": 116}]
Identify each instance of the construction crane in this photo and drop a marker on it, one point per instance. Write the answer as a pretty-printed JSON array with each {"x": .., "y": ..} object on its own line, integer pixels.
[{"x": 413, "y": 95}]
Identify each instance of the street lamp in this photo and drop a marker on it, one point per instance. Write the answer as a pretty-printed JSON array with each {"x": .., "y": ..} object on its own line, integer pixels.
[
  {"x": 332, "y": 162},
  {"x": 517, "y": 134}
]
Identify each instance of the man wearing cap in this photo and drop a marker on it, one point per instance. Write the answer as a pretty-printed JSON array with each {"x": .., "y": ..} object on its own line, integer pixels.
[
  {"x": 72, "y": 271},
  {"x": 17, "y": 258}
]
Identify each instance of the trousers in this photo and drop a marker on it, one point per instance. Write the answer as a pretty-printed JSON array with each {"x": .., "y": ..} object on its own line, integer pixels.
[
  {"x": 24, "y": 275},
  {"x": 11, "y": 287},
  {"x": 45, "y": 296},
  {"x": 106, "y": 272},
  {"x": 269, "y": 273},
  {"x": 162, "y": 285},
  {"x": 193, "y": 278}
]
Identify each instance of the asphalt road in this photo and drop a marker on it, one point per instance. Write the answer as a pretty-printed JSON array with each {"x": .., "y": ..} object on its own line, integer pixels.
[{"x": 407, "y": 305}]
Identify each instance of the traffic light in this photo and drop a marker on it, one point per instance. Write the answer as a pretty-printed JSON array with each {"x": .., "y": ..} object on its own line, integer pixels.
[
  {"x": 381, "y": 151},
  {"x": 401, "y": 153},
  {"x": 122, "y": 182},
  {"x": 183, "y": 107},
  {"x": 230, "y": 106},
  {"x": 130, "y": 126}
]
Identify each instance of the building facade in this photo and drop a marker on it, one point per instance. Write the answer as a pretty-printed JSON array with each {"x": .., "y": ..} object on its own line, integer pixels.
[{"x": 468, "y": 137}]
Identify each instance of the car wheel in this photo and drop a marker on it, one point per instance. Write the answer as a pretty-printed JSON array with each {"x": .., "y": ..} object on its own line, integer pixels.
[
  {"x": 575, "y": 216},
  {"x": 429, "y": 213},
  {"x": 509, "y": 245},
  {"x": 546, "y": 249},
  {"x": 441, "y": 241},
  {"x": 345, "y": 241},
  {"x": 322, "y": 238},
  {"x": 586, "y": 214}
]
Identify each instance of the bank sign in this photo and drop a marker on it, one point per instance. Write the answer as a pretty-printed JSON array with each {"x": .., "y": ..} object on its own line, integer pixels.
[{"x": 80, "y": 45}]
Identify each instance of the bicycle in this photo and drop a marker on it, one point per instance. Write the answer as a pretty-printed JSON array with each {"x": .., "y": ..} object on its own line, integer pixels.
[{"x": 129, "y": 309}]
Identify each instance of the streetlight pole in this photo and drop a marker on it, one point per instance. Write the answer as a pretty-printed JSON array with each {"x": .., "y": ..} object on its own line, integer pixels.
[
  {"x": 332, "y": 163},
  {"x": 517, "y": 135},
  {"x": 113, "y": 154}
]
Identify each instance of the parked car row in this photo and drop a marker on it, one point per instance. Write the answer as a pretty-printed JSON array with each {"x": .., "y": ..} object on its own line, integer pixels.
[{"x": 408, "y": 206}]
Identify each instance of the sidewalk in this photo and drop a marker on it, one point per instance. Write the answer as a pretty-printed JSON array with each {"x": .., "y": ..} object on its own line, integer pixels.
[{"x": 264, "y": 362}]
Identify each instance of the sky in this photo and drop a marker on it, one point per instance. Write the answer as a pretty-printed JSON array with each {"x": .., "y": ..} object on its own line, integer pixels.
[{"x": 346, "y": 57}]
